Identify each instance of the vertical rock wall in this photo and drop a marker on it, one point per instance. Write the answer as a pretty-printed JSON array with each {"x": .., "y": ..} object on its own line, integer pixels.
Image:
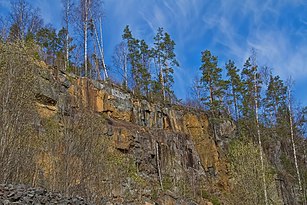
[{"x": 169, "y": 144}]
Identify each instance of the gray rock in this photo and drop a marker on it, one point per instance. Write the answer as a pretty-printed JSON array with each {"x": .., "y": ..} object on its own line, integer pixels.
[{"x": 21, "y": 194}]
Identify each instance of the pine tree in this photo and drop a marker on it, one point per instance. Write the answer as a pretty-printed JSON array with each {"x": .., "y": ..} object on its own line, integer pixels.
[
  {"x": 235, "y": 83},
  {"x": 250, "y": 78},
  {"x": 251, "y": 99},
  {"x": 170, "y": 62},
  {"x": 158, "y": 58},
  {"x": 145, "y": 58},
  {"x": 165, "y": 60},
  {"x": 48, "y": 40},
  {"x": 64, "y": 46},
  {"x": 133, "y": 55},
  {"x": 139, "y": 59},
  {"x": 276, "y": 95},
  {"x": 212, "y": 81}
]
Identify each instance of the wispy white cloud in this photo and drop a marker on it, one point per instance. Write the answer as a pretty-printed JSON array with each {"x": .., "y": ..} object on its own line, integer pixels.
[
  {"x": 277, "y": 50},
  {"x": 228, "y": 28},
  {"x": 274, "y": 42},
  {"x": 277, "y": 29}
]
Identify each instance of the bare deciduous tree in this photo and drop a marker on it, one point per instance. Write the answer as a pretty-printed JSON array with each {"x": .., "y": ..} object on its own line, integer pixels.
[
  {"x": 3, "y": 29},
  {"x": 24, "y": 19},
  {"x": 120, "y": 61},
  {"x": 18, "y": 115},
  {"x": 246, "y": 168},
  {"x": 68, "y": 7},
  {"x": 86, "y": 24}
]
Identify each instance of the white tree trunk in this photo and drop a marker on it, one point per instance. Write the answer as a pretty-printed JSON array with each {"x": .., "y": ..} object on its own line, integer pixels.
[
  {"x": 260, "y": 143},
  {"x": 293, "y": 143},
  {"x": 162, "y": 82},
  {"x": 100, "y": 48},
  {"x": 102, "y": 52},
  {"x": 67, "y": 33},
  {"x": 86, "y": 5},
  {"x": 158, "y": 165},
  {"x": 125, "y": 68}
]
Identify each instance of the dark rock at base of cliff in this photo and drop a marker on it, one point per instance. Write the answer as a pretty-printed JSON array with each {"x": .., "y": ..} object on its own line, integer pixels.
[{"x": 22, "y": 194}]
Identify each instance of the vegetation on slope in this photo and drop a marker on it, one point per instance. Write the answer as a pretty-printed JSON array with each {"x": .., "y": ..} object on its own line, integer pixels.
[{"x": 269, "y": 124}]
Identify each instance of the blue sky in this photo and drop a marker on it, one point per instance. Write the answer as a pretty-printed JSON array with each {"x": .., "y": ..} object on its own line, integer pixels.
[{"x": 277, "y": 29}]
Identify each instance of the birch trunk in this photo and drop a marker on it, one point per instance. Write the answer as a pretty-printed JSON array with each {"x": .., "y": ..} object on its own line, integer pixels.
[
  {"x": 260, "y": 143},
  {"x": 100, "y": 48},
  {"x": 211, "y": 92},
  {"x": 293, "y": 143},
  {"x": 162, "y": 80},
  {"x": 98, "y": 77},
  {"x": 86, "y": 4},
  {"x": 102, "y": 52},
  {"x": 67, "y": 9},
  {"x": 125, "y": 69},
  {"x": 235, "y": 103},
  {"x": 158, "y": 165}
]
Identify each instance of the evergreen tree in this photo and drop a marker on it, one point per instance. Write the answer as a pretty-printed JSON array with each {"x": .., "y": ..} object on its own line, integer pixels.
[
  {"x": 133, "y": 53},
  {"x": 235, "y": 83},
  {"x": 65, "y": 45},
  {"x": 157, "y": 52},
  {"x": 212, "y": 81},
  {"x": 250, "y": 107},
  {"x": 250, "y": 78},
  {"x": 165, "y": 60},
  {"x": 145, "y": 58},
  {"x": 47, "y": 38},
  {"x": 53, "y": 45},
  {"x": 275, "y": 98},
  {"x": 139, "y": 59},
  {"x": 170, "y": 61}
]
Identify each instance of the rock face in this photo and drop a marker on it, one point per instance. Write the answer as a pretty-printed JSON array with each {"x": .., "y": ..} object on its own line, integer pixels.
[
  {"x": 165, "y": 125},
  {"x": 21, "y": 194},
  {"x": 169, "y": 144}
]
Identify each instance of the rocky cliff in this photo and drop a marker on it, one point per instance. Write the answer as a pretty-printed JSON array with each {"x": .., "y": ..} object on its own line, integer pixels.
[
  {"x": 87, "y": 138},
  {"x": 177, "y": 155}
]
